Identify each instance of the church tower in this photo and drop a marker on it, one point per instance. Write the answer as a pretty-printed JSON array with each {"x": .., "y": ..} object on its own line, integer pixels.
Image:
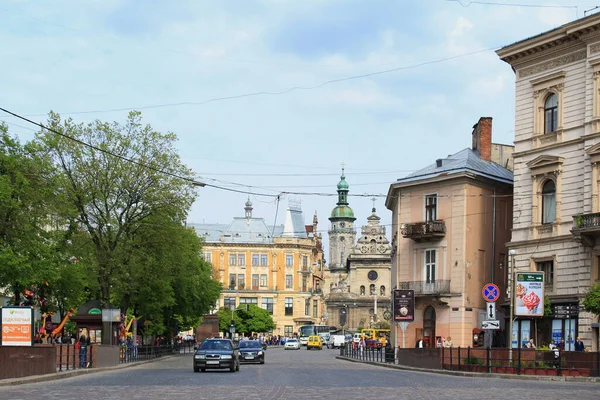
[{"x": 342, "y": 233}]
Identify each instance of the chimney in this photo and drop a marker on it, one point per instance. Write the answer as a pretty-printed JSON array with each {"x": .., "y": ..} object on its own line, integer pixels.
[
  {"x": 438, "y": 162},
  {"x": 482, "y": 138}
]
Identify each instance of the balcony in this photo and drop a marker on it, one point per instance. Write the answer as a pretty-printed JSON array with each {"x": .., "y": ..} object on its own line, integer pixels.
[
  {"x": 423, "y": 288},
  {"x": 424, "y": 231},
  {"x": 586, "y": 228}
]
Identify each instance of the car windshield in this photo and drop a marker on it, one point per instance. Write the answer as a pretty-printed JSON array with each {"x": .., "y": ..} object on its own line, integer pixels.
[
  {"x": 216, "y": 345},
  {"x": 292, "y": 340},
  {"x": 249, "y": 344}
]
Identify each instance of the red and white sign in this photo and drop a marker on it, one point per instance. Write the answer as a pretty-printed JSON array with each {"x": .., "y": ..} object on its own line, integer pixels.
[{"x": 17, "y": 326}]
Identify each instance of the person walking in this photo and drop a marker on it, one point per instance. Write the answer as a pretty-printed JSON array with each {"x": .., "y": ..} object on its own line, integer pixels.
[{"x": 579, "y": 346}]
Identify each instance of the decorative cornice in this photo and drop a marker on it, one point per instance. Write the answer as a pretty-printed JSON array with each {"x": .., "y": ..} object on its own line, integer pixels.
[
  {"x": 557, "y": 62},
  {"x": 595, "y": 48}
]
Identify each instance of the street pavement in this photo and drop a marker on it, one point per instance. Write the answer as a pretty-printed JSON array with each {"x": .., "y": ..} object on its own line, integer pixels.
[{"x": 293, "y": 374}]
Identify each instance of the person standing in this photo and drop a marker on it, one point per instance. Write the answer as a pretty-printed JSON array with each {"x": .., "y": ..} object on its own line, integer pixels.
[
  {"x": 579, "y": 346},
  {"x": 448, "y": 342},
  {"x": 420, "y": 344}
]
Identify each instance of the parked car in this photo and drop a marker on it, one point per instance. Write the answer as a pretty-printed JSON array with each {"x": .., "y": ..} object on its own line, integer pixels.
[
  {"x": 336, "y": 341},
  {"x": 292, "y": 344},
  {"x": 217, "y": 353},
  {"x": 251, "y": 351},
  {"x": 374, "y": 343},
  {"x": 314, "y": 342}
]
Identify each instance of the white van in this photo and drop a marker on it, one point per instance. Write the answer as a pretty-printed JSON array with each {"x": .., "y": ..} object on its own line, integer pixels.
[{"x": 336, "y": 341}]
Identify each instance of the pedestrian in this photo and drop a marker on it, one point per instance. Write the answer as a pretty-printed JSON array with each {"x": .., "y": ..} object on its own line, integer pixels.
[
  {"x": 530, "y": 344},
  {"x": 448, "y": 342},
  {"x": 579, "y": 346},
  {"x": 561, "y": 345},
  {"x": 420, "y": 343},
  {"x": 361, "y": 345}
]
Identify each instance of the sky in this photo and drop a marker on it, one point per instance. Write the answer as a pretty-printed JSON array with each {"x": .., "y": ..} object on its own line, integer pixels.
[{"x": 274, "y": 96}]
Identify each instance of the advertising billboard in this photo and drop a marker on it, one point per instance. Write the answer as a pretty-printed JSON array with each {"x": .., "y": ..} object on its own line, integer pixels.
[
  {"x": 17, "y": 326},
  {"x": 404, "y": 305},
  {"x": 529, "y": 294}
]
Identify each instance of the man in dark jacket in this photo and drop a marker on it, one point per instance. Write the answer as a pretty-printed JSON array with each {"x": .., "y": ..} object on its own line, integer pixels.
[{"x": 579, "y": 346}]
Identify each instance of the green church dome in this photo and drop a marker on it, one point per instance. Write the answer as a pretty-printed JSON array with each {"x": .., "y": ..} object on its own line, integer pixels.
[
  {"x": 342, "y": 211},
  {"x": 343, "y": 185}
]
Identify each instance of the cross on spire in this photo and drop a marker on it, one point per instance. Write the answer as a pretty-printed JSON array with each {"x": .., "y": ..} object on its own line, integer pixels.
[{"x": 373, "y": 199}]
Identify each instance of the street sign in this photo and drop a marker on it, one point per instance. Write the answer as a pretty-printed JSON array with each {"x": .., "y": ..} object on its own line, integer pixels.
[
  {"x": 490, "y": 325},
  {"x": 490, "y": 311},
  {"x": 490, "y": 292}
]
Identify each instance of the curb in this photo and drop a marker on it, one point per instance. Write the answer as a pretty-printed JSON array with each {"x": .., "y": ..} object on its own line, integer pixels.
[
  {"x": 70, "y": 374},
  {"x": 580, "y": 379}
]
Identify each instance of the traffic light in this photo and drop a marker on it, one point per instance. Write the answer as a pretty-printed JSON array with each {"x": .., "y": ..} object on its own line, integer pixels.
[{"x": 343, "y": 316}]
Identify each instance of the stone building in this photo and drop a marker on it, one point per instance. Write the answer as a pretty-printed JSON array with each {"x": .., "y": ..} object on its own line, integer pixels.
[
  {"x": 357, "y": 284},
  {"x": 557, "y": 171},
  {"x": 451, "y": 221},
  {"x": 277, "y": 268}
]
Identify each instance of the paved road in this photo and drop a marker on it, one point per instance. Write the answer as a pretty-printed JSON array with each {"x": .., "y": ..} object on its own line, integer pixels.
[{"x": 291, "y": 375}]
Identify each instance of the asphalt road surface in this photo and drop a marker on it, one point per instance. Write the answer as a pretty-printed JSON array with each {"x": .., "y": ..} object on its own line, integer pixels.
[{"x": 294, "y": 375}]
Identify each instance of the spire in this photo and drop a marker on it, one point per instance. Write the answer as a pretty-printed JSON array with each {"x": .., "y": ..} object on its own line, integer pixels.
[
  {"x": 342, "y": 189},
  {"x": 373, "y": 199},
  {"x": 248, "y": 208}
]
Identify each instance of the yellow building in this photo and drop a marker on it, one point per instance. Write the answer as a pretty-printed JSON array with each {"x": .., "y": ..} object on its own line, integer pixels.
[{"x": 277, "y": 268}]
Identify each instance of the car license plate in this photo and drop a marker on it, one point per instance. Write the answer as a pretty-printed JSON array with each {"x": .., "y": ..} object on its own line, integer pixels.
[
  {"x": 249, "y": 357},
  {"x": 212, "y": 362}
]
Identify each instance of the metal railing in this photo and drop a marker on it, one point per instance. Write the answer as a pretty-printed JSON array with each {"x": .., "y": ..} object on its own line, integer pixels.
[
  {"x": 73, "y": 356},
  {"x": 424, "y": 287},
  {"x": 130, "y": 353},
  {"x": 586, "y": 221},
  {"x": 368, "y": 354},
  {"x": 423, "y": 229}
]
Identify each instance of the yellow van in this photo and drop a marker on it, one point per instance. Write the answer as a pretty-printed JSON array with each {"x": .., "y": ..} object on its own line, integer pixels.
[{"x": 314, "y": 342}]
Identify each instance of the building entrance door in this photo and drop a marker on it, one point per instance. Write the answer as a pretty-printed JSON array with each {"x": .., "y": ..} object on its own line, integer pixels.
[{"x": 429, "y": 327}]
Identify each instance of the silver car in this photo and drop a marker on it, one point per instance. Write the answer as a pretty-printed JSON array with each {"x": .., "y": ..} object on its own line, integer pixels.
[{"x": 292, "y": 344}]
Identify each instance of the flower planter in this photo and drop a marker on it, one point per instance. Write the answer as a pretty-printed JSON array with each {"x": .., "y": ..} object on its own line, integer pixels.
[
  {"x": 529, "y": 371},
  {"x": 500, "y": 370},
  {"x": 584, "y": 372},
  {"x": 540, "y": 371},
  {"x": 551, "y": 372},
  {"x": 574, "y": 372}
]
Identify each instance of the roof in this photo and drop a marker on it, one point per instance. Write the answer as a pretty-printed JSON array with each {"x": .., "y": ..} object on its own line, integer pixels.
[
  {"x": 342, "y": 211},
  {"x": 465, "y": 160},
  {"x": 241, "y": 230}
]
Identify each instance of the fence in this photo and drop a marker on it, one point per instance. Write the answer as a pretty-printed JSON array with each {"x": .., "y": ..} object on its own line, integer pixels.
[
  {"x": 369, "y": 354},
  {"x": 73, "y": 356},
  {"x": 130, "y": 353}
]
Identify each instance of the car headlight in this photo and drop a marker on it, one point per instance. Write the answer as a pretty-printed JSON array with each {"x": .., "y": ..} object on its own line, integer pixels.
[
  {"x": 260, "y": 353},
  {"x": 199, "y": 356},
  {"x": 226, "y": 357}
]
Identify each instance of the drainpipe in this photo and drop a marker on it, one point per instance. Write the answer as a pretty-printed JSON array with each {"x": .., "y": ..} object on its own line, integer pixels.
[{"x": 494, "y": 237}]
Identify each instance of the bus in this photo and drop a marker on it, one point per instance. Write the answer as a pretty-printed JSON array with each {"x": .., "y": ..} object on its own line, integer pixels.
[
  {"x": 377, "y": 334},
  {"x": 311, "y": 330}
]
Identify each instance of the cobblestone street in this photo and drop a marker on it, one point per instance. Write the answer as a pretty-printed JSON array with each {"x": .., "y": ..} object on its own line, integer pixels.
[{"x": 290, "y": 375}]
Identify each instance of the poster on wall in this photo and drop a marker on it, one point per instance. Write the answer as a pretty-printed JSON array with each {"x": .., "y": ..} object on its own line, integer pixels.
[
  {"x": 404, "y": 305},
  {"x": 529, "y": 294},
  {"x": 17, "y": 326}
]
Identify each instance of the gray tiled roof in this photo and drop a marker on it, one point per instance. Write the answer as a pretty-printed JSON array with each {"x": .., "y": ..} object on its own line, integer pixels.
[
  {"x": 464, "y": 161},
  {"x": 241, "y": 230}
]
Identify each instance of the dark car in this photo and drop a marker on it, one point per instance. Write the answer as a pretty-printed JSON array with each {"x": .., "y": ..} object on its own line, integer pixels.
[
  {"x": 217, "y": 353},
  {"x": 252, "y": 351}
]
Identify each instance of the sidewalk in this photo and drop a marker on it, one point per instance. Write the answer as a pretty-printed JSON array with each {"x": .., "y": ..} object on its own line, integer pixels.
[
  {"x": 72, "y": 373},
  {"x": 478, "y": 374}
]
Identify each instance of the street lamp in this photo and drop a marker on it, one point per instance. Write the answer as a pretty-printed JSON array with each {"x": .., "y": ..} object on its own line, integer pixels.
[{"x": 511, "y": 271}]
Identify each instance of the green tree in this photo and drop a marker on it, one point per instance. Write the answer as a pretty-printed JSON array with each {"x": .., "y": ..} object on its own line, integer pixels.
[
  {"x": 591, "y": 302},
  {"x": 225, "y": 318},
  {"x": 112, "y": 197},
  {"x": 255, "y": 319}
]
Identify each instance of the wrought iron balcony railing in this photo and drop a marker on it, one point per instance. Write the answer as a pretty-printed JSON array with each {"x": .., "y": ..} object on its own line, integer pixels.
[
  {"x": 426, "y": 230},
  {"x": 586, "y": 227},
  {"x": 427, "y": 288}
]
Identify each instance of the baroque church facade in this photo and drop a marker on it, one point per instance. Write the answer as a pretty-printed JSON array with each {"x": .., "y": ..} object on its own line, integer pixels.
[{"x": 357, "y": 287}]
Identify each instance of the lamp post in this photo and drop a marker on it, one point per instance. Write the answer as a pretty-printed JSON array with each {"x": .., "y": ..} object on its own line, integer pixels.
[{"x": 511, "y": 271}]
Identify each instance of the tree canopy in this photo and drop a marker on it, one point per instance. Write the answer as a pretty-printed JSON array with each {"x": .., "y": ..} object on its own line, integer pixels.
[
  {"x": 591, "y": 302},
  {"x": 248, "y": 318}
]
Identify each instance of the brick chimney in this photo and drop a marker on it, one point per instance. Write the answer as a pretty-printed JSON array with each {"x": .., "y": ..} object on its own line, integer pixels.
[{"x": 482, "y": 138}]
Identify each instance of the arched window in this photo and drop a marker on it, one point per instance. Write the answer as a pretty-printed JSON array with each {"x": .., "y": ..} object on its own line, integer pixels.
[
  {"x": 362, "y": 290},
  {"x": 382, "y": 290},
  {"x": 372, "y": 289},
  {"x": 551, "y": 113},
  {"x": 548, "y": 202}
]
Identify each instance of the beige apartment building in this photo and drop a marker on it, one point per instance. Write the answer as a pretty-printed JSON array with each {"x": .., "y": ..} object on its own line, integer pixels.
[
  {"x": 277, "y": 268},
  {"x": 450, "y": 223},
  {"x": 557, "y": 172}
]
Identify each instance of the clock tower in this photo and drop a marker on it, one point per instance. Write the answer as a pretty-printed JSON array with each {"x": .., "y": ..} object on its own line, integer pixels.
[{"x": 342, "y": 233}]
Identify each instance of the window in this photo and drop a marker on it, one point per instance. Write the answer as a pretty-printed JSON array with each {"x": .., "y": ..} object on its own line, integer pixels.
[
  {"x": 307, "y": 307},
  {"x": 548, "y": 202},
  {"x": 288, "y": 330},
  {"x": 547, "y": 267},
  {"x": 289, "y": 281},
  {"x": 372, "y": 289},
  {"x": 232, "y": 259},
  {"x": 429, "y": 266},
  {"x": 382, "y": 291},
  {"x": 254, "y": 281},
  {"x": 304, "y": 282},
  {"x": 241, "y": 259},
  {"x": 267, "y": 304},
  {"x": 207, "y": 257},
  {"x": 248, "y": 300},
  {"x": 229, "y": 302},
  {"x": 263, "y": 260},
  {"x": 263, "y": 280},
  {"x": 431, "y": 207},
  {"x": 241, "y": 281},
  {"x": 254, "y": 259},
  {"x": 289, "y": 260},
  {"x": 315, "y": 308},
  {"x": 289, "y": 306},
  {"x": 232, "y": 280},
  {"x": 362, "y": 290},
  {"x": 597, "y": 274},
  {"x": 304, "y": 261},
  {"x": 551, "y": 113}
]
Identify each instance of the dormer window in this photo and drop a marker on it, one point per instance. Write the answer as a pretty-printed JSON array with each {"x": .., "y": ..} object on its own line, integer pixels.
[{"x": 551, "y": 113}]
